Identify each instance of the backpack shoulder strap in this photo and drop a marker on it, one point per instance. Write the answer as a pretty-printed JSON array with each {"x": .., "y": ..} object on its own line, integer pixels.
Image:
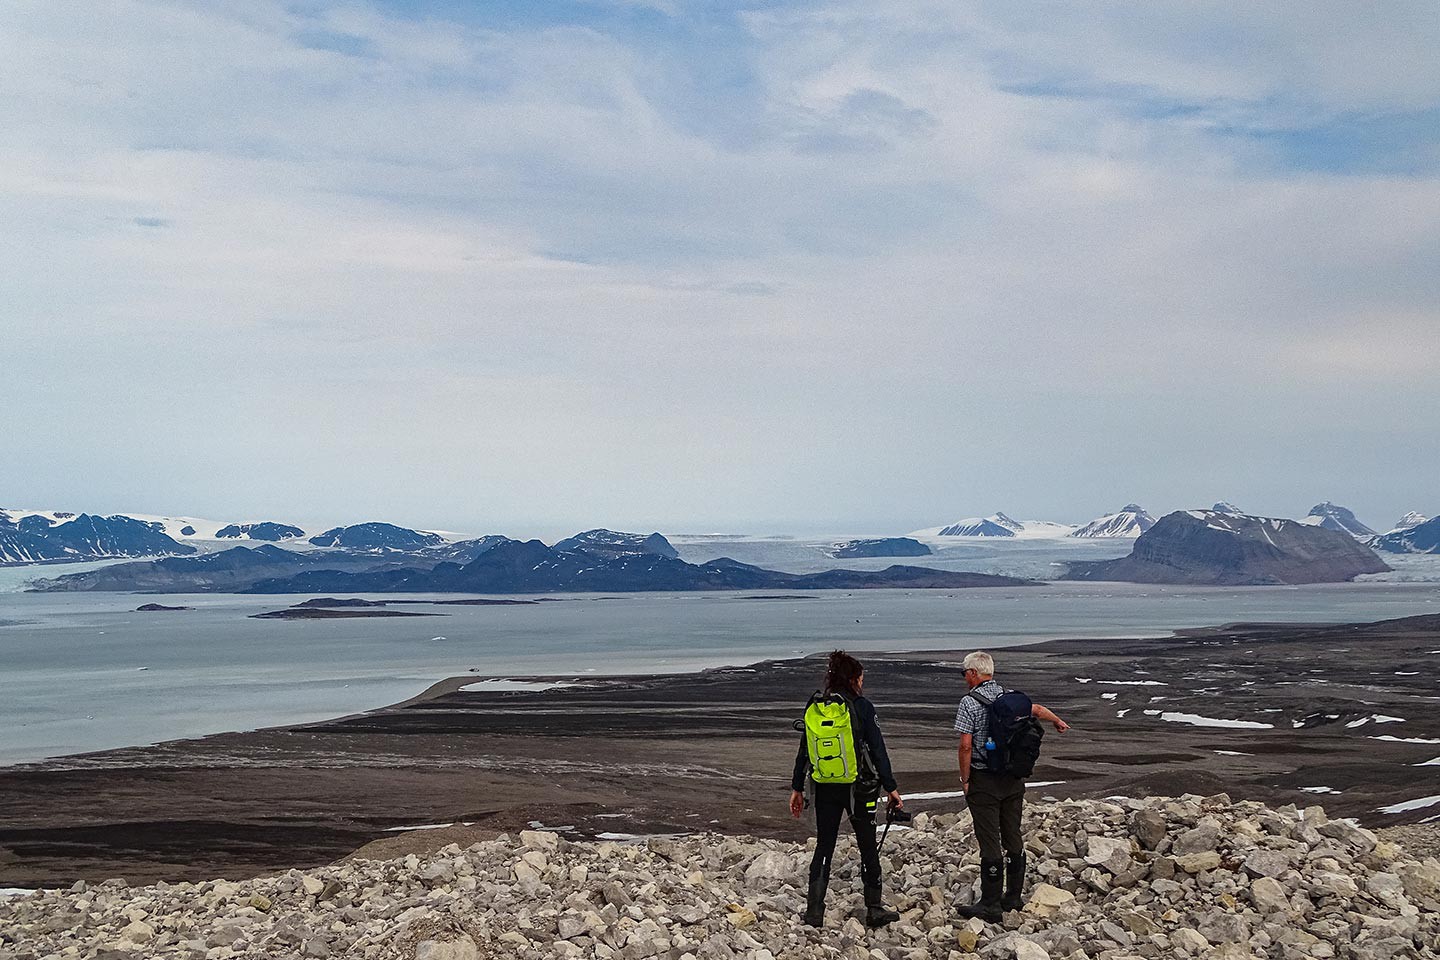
[{"x": 979, "y": 698}]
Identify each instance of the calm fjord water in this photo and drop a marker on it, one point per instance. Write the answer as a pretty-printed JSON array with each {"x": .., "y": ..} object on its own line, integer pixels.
[{"x": 81, "y": 672}]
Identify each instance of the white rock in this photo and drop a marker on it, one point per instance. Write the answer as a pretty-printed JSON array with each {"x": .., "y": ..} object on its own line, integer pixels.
[{"x": 463, "y": 948}]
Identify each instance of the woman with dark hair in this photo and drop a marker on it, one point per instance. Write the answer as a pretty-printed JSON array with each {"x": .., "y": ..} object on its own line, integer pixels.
[{"x": 844, "y": 675}]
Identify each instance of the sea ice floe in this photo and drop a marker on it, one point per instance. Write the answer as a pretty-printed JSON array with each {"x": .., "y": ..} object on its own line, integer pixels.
[
  {"x": 1420, "y": 803},
  {"x": 1194, "y": 719}
]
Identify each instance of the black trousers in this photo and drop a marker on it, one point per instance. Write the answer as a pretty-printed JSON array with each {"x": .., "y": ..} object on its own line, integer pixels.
[
  {"x": 832, "y": 800},
  {"x": 996, "y": 801}
]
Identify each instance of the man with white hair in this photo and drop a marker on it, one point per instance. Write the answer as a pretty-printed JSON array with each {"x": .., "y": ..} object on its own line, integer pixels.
[{"x": 996, "y": 796}]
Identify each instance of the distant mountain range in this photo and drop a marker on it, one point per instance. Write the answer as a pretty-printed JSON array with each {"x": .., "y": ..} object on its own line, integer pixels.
[
  {"x": 36, "y": 537},
  {"x": 1210, "y": 547},
  {"x": 1000, "y": 526},
  {"x": 506, "y": 566}
]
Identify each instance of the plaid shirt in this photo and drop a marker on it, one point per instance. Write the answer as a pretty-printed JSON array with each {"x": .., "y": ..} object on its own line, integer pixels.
[{"x": 973, "y": 718}]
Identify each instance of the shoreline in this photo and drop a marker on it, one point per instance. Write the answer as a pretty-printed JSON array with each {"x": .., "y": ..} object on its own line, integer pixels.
[{"x": 711, "y": 750}]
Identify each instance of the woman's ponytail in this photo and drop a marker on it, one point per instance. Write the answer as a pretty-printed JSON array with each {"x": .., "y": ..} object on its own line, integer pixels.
[{"x": 842, "y": 673}]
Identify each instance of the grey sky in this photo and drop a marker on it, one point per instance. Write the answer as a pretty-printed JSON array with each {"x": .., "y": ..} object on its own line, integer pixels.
[{"x": 777, "y": 266}]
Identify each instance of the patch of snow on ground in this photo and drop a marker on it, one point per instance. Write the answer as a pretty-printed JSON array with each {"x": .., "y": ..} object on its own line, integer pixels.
[
  {"x": 423, "y": 826},
  {"x": 1420, "y": 803},
  {"x": 1233, "y": 753},
  {"x": 1429, "y": 763},
  {"x": 499, "y": 684},
  {"x": 1320, "y": 790},
  {"x": 1132, "y": 683},
  {"x": 1390, "y": 739},
  {"x": 1121, "y": 713},
  {"x": 1194, "y": 719}
]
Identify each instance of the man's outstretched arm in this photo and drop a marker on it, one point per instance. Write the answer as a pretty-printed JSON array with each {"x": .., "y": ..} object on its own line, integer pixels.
[{"x": 1041, "y": 712}]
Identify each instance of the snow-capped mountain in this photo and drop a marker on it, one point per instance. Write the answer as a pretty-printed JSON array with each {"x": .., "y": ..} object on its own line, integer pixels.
[
  {"x": 1131, "y": 521},
  {"x": 995, "y": 525},
  {"x": 1210, "y": 547},
  {"x": 1332, "y": 516},
  {"x": 998, "y": 525},
  {"x": 377, "y": 536},
  {"x": 1421, "y": 538},
  {"x": 616, "y": 543},
  {"x": 1225, "y": 506},
  {"x": 1409, "y": 521},
  {"x": 34, "y": 536}
]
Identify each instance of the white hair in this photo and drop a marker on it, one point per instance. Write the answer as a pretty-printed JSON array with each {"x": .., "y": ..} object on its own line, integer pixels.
[{"x": 981, "y": 662}]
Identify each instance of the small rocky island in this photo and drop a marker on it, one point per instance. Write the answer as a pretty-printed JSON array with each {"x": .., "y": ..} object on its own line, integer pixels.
[
  {"x": 158, "y": 608},
  {"x": 880, "y": 547},
  {"x": 1225, "y": 549}
]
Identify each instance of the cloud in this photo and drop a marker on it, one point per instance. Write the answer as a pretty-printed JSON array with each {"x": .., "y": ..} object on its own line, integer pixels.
[{"x": 628, "y": 253}]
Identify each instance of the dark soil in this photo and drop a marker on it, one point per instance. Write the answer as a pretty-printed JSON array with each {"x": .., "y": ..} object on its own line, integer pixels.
[{"x": 714, "y": 751}]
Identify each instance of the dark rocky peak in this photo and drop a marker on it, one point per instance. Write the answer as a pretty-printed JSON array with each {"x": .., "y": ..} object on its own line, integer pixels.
[
  {"x": 1421, "y": 538},
  {"x": 1225, "y": 506},
  {"x": 377, "y": 536},
  {"x": 1210, "y": 547},
  {"x": 1332, "y": 516},
  {"x": 615, "y": 543},
  {"x": 35, "y": 524},
  {"x": 266, "y": 530},
  {"x": 880, "y": 547},
  {"x": 463, "y": 551}
]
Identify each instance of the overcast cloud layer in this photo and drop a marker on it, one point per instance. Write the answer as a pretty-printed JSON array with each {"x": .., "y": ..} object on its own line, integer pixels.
[{"x": 849, "y": 266}]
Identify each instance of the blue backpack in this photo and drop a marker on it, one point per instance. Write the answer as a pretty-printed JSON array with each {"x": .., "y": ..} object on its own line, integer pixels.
[{"x": 1015, "y": 733}]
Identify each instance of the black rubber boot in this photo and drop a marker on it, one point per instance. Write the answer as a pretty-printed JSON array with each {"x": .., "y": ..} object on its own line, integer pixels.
[
  {"x": 815, "y": 903},
  {"x": 992, "y": 883},
  {"x": 876, "y": 913},
  {"x": 1014, "y": 898}
]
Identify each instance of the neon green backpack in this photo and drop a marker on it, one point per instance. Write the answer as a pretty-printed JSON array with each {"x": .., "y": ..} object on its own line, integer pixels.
[{"x": 830, "y": 740}]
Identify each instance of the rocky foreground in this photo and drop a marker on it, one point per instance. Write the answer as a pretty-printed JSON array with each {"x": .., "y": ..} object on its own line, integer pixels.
[{"x": 1187, "y": 877}]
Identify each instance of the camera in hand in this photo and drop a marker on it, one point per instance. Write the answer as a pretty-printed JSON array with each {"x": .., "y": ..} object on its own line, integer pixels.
[{"x": 897, "y": 815}]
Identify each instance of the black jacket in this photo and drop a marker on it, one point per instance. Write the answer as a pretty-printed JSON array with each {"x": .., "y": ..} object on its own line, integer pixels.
[{"x": 864, "y": 718}]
